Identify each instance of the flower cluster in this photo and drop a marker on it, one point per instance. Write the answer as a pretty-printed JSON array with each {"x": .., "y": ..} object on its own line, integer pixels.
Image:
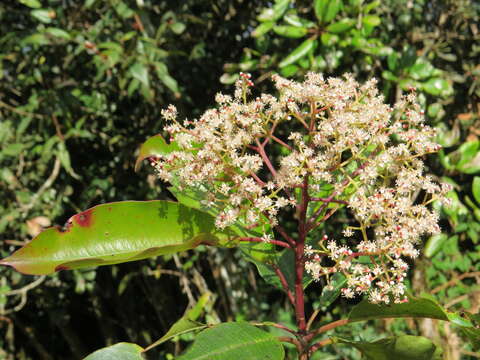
[{"x": 341, "y": 146}]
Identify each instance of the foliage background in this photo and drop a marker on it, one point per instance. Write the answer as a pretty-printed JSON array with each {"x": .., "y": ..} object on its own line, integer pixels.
[{"x": 82, "y": 85}]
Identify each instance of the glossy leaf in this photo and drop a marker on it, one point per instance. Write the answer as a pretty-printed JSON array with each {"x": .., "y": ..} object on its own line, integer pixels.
[
  {"x": 401, "y": 347},
  {"x": 422, "y": 69},
  {"x": 437, "y": 86},
  {"x": 341, "y": 26},
  {"x": 154, "y": 146},
  {"x": 118, "y": 232},
  {"x": 326, "y": 10},
  {"x": 434, "y": 244},
  {"x": 331, "y": 10},
  {"x": 293, "y": 19},
  {"x": 274, "y": 13},
  {"x": 43, "y": 15},
  {"x": 60, "y": 33},
  {"x": 186, "y": 323},
  {"x": 263, "y": 28},
  {"x": 234, "y": 340},
  {"x": 371, "y": 20},
  {"x": 415, "y": 307},
  {"x": 290, "y": 31},
  {"x": 299, "y": 52},
  {"x": 120, "y": 351},
  {"x": 330, "y": 294},
  {"x": 34, "y": 4}
]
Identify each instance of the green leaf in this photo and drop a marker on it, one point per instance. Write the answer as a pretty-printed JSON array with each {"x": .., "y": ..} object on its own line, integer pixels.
[
  {"x": 118, "y": 232},
  {"x": 301, "y": 51},
  {"x": 341, "y": 26},
  {"x": 43, "y": 15},
  {"x": 154, "y": 146},
  {"x": 415, "y": 307},
  {"x": 371, "y": 20},
  {"x": 446, "y": 136},
  {"x": 34, "y": 4},
  {"x": 334, "y": 6},
  {"x": 64, "y": 157},
  {"x": 274, "y": 13},
  {"x": 401, "y": 347},
  {"x": 290, "y": 31},
  {"x": 329, "y": 295},
  {"x": 289, "y": 70},
  {"x": 466, "y": 158},
  {"x": 263, "y": 28},
  {"x": 187, "y": 322},
  {"x": 178, "y": 27},
  {"x": 140, "y": 72},
  {"x": 36, "y": 39},
  {"x": 234, "y": 340},
  {"x": 291, "y": 18},
  {"x": 437, "y": 87},
  {"x": 120, "y": 351},
  {"x": 329, "y": 39},
  {"x": 476, "y": 189},
  {"x": 434, "y": 244},
  {"x": 422, "y": 69},
  {"x": 285, "y": 261},
  {"x": 326, "y": 10},
  {"x": 473, "y": 335},
  {"x": 58, "y": 33},
  {"x": 164, "y": 76}
]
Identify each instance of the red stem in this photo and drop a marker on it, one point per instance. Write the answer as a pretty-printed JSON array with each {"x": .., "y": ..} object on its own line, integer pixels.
[
  {"x": 261, "y": 150},
  {"x": 325, "y": 328},
  {"x": 284, "y": 283},
  {"x": 299, "y": 258}
]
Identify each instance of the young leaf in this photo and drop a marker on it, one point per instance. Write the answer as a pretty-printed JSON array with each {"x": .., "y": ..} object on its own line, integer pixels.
[
  {"x": 118, "y": 232},
  {"x": 329, "y": 295},
  {"x": 234, "y": 340},
  {"x": 154, "y": 146},
  {"x": 434, "y": 244},
  {"x": 290, "y": 31},
  {"x": 401, "y": 347},
  {"x": 274, "y": 13},
  {"x": 120, "y": 351},
  {"x": 263, "y": 28},
  {"x": 186, "y": 323},
  {"x": 299, "y": 52},
  {"x": 341, "y": 26},
  {"x": 326, "y": 10}
]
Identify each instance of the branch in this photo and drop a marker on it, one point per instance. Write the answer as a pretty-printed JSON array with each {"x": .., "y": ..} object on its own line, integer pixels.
[
  {"x": 318, "y": 345},
  {"x": 45, "y": 186},
  {"x": 284, "y": 283},
  {"x": 455, "y": 280},
  {"x": 261, "y": 151},
  {"x": 325, "y": 328},
  {"x": 23, "y": 295}
]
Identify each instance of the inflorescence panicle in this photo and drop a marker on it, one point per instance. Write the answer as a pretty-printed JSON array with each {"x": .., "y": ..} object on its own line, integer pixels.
[{"x": 367, "y": 154}]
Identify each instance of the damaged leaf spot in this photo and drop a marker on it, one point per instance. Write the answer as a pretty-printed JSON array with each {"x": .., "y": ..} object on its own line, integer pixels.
[{"x": 84, "y": 219}]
